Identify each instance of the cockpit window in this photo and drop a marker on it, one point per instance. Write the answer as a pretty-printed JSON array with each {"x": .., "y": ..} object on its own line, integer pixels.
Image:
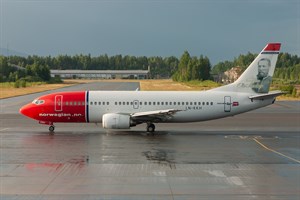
[{"x": 38, "y": 102}]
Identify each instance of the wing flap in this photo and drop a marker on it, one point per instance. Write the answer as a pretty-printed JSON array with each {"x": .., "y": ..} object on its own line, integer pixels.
[
  {"x": 153, "y": 116},
  {"x": 155, "y": 113}
]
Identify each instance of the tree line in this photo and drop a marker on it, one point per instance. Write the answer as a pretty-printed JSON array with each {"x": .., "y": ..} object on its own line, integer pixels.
[
  {"x": 37, "y": 68},
  {"x": 193, "y": 68},
  {"x": 31, "y": 72},
  {"x": 160, "y": 66}
]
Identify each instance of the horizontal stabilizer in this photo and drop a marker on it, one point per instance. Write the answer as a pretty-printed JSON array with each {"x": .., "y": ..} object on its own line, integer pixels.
[{"x": 271, "y": 94}]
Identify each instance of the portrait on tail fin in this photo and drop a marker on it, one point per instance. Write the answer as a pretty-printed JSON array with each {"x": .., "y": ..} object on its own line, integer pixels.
[{"x": 264, "y": 80}]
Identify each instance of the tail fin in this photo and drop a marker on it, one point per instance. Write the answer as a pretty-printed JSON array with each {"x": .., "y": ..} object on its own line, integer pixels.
[{"x": 258, "y": 76}]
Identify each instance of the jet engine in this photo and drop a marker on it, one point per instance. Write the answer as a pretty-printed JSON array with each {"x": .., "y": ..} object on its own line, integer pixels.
[{"x": 116, "y": 121}]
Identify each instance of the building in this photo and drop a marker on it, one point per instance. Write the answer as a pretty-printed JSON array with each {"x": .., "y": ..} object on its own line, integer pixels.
[
  {"x": 101, "y": 74},
  {"x": 232, "y": 75}
]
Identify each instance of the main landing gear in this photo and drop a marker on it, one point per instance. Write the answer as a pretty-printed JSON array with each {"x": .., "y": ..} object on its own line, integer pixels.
[{"x": 150, "y": 127}]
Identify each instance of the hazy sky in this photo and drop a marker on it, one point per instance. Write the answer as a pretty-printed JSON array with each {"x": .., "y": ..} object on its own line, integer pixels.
[{"x": 219, "y": 29}]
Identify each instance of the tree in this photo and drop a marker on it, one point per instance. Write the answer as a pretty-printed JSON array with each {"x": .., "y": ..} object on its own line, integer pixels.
[
  {"x": 5, "y": 68},
  {"x": 182, "y": 72},
  {"x": 44, "y": 73},
  {"x": 205, "y": 68}
]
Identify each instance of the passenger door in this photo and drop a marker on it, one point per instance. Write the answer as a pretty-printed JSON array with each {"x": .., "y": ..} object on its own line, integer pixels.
[{"x": 58, "y": 103}]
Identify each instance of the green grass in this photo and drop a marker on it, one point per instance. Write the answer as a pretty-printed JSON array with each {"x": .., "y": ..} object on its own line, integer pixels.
[
  {"x": 207, "y": 83},
  {"x": 11, "y": 84}
]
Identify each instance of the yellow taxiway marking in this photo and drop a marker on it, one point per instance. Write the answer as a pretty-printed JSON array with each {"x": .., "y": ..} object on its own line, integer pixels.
[{"x": 269, "y": 149}]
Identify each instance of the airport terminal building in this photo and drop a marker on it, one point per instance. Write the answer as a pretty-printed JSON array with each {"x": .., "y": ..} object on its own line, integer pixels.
[{"x": 101, "y": 74}]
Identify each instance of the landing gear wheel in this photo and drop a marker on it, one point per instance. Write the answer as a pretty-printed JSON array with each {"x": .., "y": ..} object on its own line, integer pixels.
[
  {"x": 150, "y": 128},
  {"x": 51, "y": 129}
]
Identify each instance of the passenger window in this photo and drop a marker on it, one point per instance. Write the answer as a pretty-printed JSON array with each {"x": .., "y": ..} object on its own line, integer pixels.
[
  {"x": 211, "y": 103},
  {"x": 95, "y": 103},
  {"x": 170, "y": 103},
  {"x": 166, "y": 103},
  {"x": 158, "y": 103},
  {"x": 199, "y": 103},
  {"x": 67, "y": 103},
  {"x": 127, "y": 103},
  {"x": 187, "y": 103},
  {"x": 123, "y": 103},
  {"x": 131, "y": 103},
  {"x": 195, "y": 103},
  {"x": 145, "y": 103},
  {"x": 149, "y": 103},
  {"x": 174, "y": 103},
  {"x": 141, "y": 103},
  {"x": 203, "y": 103},
  {"x": 91, "y": 103},
  {"x": 119, "y": 103},
  {"x": 116, "y": 103},
  {"x": 107, "y": 103},
  {"x": 154, "y": 103},
  {"x": 99, "y": 103},
  {"x": 162, "y": 103},
  {"x": 207, "y": 103},
  {"x": 191, "y": 103}
]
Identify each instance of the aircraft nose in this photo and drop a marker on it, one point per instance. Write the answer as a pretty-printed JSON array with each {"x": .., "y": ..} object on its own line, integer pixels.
[{"x": 26, "y": 110}]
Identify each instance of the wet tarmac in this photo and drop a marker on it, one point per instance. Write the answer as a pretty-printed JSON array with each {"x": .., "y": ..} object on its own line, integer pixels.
[{"x": 255, "y": 155}]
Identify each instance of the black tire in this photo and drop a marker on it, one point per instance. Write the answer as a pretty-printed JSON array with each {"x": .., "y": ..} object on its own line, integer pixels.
[
  {"x": 151, "y": 128},
  {"x": 51, "y": 129}
]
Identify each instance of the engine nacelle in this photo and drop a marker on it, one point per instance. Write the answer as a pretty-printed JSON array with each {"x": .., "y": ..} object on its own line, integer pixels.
[{"x": 115, "y": 121}]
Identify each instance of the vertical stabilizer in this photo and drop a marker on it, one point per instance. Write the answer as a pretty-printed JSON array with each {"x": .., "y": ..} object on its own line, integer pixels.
[{"x": 257, "y": 77}]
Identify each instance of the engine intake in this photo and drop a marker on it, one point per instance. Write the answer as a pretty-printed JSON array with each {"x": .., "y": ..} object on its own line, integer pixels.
[{"x": 116, "y": 121}]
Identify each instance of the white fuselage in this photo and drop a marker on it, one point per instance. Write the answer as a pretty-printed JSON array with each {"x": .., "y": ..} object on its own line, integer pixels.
[{"x": 193, "y": 106}]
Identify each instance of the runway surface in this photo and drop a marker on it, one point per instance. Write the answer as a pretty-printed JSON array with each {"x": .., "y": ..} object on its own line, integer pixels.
[{"x": 255, "y": 155}]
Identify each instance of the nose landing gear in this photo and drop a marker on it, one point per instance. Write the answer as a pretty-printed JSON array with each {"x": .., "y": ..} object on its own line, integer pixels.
[{"x": 51, "y": 129}]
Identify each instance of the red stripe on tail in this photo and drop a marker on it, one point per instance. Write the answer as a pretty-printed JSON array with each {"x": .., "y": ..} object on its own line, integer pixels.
[{"x": 272, "y": 47}]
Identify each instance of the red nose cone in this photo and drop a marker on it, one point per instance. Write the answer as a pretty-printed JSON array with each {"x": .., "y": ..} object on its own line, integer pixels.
[{"x": 26, "y": 110}]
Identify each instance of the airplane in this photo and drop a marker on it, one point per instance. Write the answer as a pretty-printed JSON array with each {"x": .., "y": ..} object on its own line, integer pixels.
[{"x": 125, "y": 109}]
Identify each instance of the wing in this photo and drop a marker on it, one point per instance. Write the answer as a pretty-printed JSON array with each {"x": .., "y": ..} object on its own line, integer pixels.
[{"x": 153, "y": 116}]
